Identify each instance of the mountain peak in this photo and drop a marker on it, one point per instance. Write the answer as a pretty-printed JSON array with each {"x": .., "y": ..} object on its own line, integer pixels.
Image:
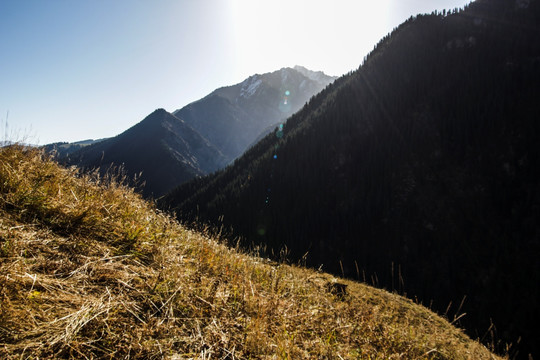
[
  {"x": 234, "y": 116},
  {"x": 317, "y": 76},
  {"x": 156, "y": 115},
  {"x": 158, "y": 112}
]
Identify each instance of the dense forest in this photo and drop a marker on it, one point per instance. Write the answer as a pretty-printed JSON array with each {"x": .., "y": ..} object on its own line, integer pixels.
[{"x": 419, "y": 172}]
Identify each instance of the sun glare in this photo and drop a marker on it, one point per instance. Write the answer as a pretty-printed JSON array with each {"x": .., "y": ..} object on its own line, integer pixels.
[{"x": 309, "y": 33}]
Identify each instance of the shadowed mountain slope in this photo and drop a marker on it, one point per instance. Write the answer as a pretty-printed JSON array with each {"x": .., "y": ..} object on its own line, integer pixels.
[
  {"x": 64, "y": 149},
  {"x": 419, "y": 172},
  {"x": 162, "y": 151}
]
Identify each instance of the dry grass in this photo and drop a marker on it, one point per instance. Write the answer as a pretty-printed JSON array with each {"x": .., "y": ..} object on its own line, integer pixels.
[{"x": 89, "y": 270}]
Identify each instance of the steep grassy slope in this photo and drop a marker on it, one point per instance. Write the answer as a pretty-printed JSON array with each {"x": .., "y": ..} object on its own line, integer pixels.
[{"x": 89, "y": 270}]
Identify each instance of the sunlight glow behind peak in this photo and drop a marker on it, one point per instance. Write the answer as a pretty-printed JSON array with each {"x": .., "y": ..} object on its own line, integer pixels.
[{"x": 316, "y": 34}]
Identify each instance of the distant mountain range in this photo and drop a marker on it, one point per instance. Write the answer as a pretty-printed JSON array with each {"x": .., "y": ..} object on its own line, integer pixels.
[
  {"x": 63, "y": 149},
  {"x": 419, "y": 172},
  {"x": 165, "y": 150}
]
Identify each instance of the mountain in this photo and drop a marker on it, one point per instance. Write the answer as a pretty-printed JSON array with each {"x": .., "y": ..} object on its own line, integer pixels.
[
  {"x": 232, "y": 117},
  {"x": 419, "y": 172},
  {"x": 165, "y": 150},
  {"x": 162, "y": 150}
]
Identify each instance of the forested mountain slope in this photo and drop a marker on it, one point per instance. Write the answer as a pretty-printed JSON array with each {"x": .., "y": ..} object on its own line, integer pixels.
[{"x": 420, "y": 172}]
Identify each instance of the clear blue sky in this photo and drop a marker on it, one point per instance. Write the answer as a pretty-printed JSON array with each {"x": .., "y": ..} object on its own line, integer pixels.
[{"x": 78, "y": 69}]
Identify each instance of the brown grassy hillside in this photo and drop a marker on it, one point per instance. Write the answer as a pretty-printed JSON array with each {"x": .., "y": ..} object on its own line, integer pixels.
[{"x": 90, "y": 270}]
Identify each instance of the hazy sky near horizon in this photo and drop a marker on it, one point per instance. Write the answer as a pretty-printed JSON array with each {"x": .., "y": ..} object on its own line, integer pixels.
[{"x": 73, "y": 70}]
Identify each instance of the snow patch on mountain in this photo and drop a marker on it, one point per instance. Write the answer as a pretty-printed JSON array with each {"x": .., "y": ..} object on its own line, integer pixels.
[
  {"x": 303, "y": 85},
  {"x": 250, "y": 86},
  {"x": 284, "y": 75}
]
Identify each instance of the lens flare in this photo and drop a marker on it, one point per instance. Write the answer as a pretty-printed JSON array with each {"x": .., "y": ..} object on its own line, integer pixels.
[
  {"x": 284, "y": 104},
  {"x": 279, "y": 132}
]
